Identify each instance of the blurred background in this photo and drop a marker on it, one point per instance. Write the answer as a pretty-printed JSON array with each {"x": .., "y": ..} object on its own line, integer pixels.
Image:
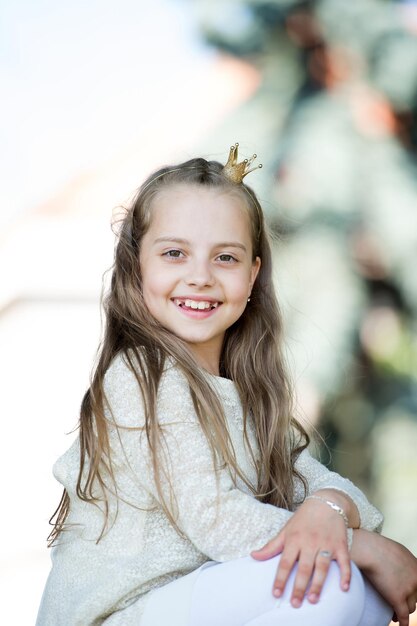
[{"x": 96, "y": 96}]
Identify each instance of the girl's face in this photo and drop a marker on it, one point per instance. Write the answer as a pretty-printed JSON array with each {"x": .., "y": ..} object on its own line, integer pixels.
[{"x": 197, "y": 267}]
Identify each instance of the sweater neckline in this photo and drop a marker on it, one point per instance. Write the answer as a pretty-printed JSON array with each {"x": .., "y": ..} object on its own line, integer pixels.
[{"x": 225, "y": 385}]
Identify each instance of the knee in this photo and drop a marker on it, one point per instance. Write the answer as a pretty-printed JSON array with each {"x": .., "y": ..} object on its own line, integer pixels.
[
  {"x": 356, "y": 588},
  {"x": 347, "y": 605},
  {"x": 356, "y": 592}
]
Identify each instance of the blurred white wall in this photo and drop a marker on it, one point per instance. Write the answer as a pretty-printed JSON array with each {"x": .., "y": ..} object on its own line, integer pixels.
[{"x": 97, "y": 95}]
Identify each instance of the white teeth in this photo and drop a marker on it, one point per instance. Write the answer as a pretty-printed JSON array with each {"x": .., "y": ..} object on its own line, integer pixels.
[{"x": 199, "y": 305}]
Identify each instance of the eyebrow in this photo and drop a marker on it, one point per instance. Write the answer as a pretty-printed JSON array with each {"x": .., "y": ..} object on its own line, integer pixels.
[{"x": 222, "y": 244}]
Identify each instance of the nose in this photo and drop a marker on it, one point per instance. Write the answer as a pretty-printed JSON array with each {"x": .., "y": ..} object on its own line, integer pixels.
[{"x": 200, "y": 273}]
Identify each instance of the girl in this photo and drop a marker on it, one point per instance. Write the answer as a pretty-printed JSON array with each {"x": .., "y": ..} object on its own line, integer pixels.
[{"x": 188, "y": 459}]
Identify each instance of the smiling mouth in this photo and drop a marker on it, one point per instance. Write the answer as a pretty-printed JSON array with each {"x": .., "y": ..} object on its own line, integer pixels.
[{"x": 196, "y": 305}]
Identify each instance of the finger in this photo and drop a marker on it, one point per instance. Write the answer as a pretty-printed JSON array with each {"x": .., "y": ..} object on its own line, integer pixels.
[
  {"x": 345, "y": 569},
  {"x": 286, "y": 563},
  {"x": 401, "y": 613},
  {"x": 320, "y": 574},
  {"x": 302, "y": 578},
  {"x": 270, "y": 549}
]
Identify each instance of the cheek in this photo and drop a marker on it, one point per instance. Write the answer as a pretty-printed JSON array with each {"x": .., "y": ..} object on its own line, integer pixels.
[
  {"x": 154, "y": 298},
  {"x": 239, "y": 290},
  {"x": 153, "y": 289},
  {"x": 157, "y": 287},
  {"x": 148, "y": 284}
]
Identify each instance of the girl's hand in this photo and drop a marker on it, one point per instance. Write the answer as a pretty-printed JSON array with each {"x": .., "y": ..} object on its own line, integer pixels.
[
  {"x": 392, "y": 570},
  {"x": 313, "y": 536}
]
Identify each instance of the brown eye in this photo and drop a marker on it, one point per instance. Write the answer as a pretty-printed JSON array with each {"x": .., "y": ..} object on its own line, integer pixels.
[
  {"x": 226, "y": 258},
  {"x": 173, "y": 254}
]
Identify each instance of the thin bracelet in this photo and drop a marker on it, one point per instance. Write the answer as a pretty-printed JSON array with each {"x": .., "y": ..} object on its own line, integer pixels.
[{"x": 333, "y": 506}]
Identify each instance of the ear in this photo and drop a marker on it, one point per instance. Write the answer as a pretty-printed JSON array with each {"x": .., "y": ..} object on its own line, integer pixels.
[{"x": 256, "y": 266}]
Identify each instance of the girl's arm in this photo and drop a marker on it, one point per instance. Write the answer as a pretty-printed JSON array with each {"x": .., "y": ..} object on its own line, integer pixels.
[
  {"x": 345, "y": 502},
  {"x": 222, "y": 521},
  {"x": 344, "y": 492},
  {"x": 313, "y": 537},
  {"x": 391, "y": 568},
  {"x": 388, "y": 565},
  {"x": 315, "y": 528}
]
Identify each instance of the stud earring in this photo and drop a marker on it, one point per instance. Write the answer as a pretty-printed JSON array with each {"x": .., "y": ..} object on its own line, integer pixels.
[{"x": 248, "y": 299}]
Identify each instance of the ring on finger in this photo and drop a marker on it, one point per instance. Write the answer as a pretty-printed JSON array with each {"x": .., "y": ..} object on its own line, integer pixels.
[{"x": 326, "y": 553}]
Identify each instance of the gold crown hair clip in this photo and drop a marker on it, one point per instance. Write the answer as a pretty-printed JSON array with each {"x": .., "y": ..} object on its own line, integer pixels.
[{"x": 237, "y": 171}]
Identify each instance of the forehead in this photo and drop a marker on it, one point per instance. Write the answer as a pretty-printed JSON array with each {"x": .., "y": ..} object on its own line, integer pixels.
[{"x": 200, "y": 208}]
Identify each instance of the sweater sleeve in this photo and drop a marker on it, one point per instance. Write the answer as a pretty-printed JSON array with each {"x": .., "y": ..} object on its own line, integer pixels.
[
  {"x": 319, "y": 477},
  {"x": 222, "y": 521}
]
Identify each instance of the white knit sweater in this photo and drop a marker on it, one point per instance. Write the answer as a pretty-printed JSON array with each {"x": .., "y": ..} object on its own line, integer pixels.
[{"x": 141, "y": 551}]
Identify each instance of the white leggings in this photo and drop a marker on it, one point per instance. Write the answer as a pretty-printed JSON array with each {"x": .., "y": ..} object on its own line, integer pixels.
[{"x": 239, "y": 593}]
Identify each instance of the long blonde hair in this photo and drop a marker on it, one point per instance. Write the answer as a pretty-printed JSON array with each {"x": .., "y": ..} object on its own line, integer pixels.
[{"x": 251, "y": 356}]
